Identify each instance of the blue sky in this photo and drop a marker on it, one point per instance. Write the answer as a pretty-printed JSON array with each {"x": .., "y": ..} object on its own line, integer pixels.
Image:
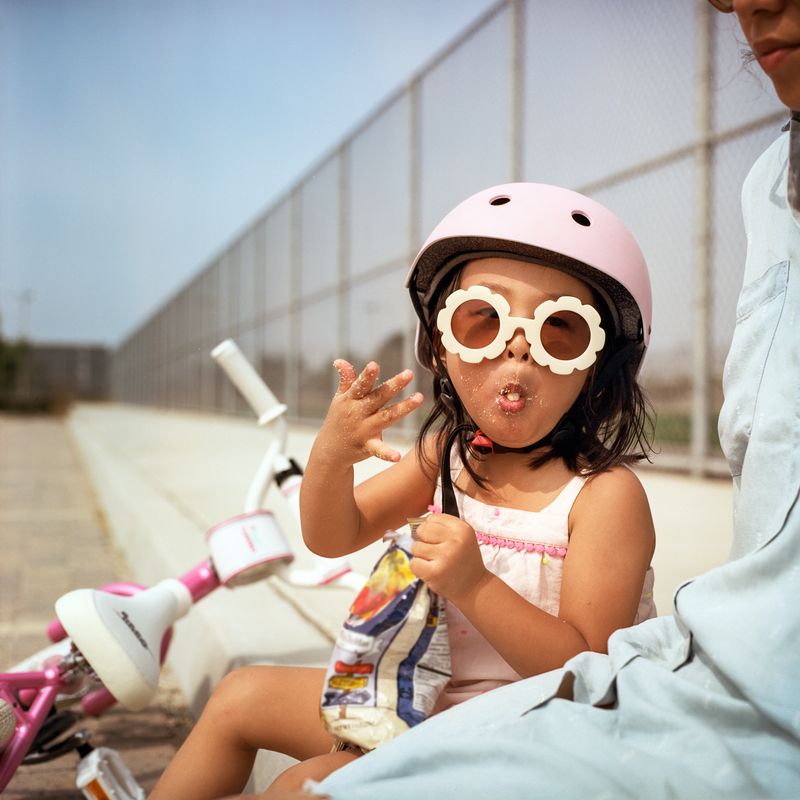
[{"x": 138, "y": 136}]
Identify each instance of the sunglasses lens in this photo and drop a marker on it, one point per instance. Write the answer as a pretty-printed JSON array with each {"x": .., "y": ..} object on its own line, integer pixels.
[
  {"x": 475, "y": 324},
  {"x": 565, "y": 335}
]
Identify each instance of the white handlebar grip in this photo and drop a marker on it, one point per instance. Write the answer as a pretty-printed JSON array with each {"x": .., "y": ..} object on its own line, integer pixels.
[{"x": 244, "y": 377}]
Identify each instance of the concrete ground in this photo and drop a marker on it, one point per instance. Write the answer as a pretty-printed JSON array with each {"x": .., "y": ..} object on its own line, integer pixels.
[
  {"x": 53, "y": 538},
  {"x": 162, "y": 478}
]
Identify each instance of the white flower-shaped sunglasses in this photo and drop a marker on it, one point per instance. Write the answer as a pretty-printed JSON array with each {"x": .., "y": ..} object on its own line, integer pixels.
[{"x": 563, "y": 334}]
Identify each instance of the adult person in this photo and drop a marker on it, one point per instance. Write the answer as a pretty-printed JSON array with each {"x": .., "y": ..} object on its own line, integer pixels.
[{"x": 704, "y": 703}]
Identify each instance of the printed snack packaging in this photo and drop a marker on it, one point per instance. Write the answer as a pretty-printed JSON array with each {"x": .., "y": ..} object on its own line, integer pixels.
[{"x": 392, "y": 656}]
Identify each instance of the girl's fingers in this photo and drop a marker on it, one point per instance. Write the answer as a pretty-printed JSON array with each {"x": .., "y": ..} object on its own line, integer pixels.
[
  {"x": 426, "y": 570},
  {"x": 376, "y": 445},
  {"x": 422, "y": 536},
  {"x": 420, "y": 568},
  {"x": 401, "y": 409},
  {"x": 379, "y": 449},
  {"x": 423, "y": 550},
  {"x": 392, "y": 387},
  {"x": 347, "y": 374},
  {"x": 363, "y": 384},
  {"x": 431, "y": 532}
]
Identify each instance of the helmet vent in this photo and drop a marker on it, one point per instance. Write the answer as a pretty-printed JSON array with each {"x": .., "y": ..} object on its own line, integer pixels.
[
  {"x": 501, "y": 200},
  {"x": 581, "y": 218}
]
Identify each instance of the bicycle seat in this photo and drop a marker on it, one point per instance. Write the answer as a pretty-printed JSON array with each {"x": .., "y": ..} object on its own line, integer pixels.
[{"x": 120, "y": 636}]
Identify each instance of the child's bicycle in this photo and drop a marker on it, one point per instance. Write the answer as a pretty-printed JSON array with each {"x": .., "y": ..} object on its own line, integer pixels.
[{"x": 109, "y": 643}]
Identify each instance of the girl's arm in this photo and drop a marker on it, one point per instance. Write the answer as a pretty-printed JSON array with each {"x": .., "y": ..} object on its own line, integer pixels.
[
  {"x": 611, "y": 544},
  {"x": 336, "y": 518}
]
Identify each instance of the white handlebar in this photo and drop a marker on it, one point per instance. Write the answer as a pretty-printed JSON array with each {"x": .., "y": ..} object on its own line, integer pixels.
[
  {"x": 244, "y": 377},
  {"x": 268, "y": 410}
]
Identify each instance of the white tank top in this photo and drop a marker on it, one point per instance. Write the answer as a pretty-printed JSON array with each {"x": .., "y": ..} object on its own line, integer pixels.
[{"x": 526, "y": 549}]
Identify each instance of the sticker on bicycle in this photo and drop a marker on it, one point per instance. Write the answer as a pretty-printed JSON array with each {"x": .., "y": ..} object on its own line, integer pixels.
[{"x": 247, "y": 547}]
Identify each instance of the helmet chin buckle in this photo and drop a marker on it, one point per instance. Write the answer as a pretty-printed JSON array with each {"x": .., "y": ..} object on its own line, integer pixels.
[
  {"x": 448, "y": 399},
  {"x": 481, "y": 443}
]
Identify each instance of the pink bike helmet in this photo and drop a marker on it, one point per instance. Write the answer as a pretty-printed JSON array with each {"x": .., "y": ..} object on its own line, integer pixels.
[{"x": 549, "y": 225}]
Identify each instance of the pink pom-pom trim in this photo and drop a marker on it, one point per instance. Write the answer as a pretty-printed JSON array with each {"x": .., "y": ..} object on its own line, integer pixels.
[{"x": 521, "y": 546}]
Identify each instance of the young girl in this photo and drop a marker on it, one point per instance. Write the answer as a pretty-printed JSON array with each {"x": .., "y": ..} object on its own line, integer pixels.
[{"x": 534, "y": 308}]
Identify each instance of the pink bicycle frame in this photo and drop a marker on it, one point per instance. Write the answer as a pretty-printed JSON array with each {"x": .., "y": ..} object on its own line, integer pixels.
[{"x": 44, "y": 686}]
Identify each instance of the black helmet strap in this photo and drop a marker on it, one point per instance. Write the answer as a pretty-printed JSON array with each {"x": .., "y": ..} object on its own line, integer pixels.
[{"x": 622, "y": 354}]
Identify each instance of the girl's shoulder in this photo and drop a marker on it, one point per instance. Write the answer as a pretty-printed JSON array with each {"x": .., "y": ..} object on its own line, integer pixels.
[
  {"x": 615, "y": 490},
  {"x": 619, "y": 474},
  {"x": 614, "y": 504}
]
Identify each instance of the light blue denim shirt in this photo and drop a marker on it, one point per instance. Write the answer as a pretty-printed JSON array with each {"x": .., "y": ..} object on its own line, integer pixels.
[
  {"x": 758, "y": 590},
  {"x": 701, "y": 704}
]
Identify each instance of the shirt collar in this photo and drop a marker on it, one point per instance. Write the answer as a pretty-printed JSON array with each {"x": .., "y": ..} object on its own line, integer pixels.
[
  {"x": 793, "y": 186},
  {"x": 795, "y": 117}
]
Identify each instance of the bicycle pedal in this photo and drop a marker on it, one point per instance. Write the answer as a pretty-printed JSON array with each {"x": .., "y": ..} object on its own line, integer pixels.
[{"x": 103, "y": 775}]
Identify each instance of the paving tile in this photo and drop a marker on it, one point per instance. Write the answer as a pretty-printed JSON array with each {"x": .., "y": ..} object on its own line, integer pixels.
[{"x": 52, "y": 540}]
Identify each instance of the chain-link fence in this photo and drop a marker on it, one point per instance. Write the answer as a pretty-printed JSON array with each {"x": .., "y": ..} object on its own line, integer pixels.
[{"x": 646, "y": 106}]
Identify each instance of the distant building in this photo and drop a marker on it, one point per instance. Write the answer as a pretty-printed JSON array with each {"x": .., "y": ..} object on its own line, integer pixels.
[{"x": 48, "y": 376}]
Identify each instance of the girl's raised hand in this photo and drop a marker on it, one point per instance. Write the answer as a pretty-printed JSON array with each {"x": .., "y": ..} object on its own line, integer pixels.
[
  {"x": 447, "y": 557},
  {"x": 359, "y": 412}
]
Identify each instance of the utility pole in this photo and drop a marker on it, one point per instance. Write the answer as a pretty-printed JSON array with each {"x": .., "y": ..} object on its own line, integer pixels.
[{"x": 26, "y": 298}]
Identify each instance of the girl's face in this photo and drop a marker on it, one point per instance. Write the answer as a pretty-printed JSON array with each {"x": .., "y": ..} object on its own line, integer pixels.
[
  {"x": 772, "y": 29},
  {"x": 511, "y": 398}
]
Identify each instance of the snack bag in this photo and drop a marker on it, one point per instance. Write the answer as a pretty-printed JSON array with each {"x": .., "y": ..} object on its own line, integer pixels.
[{"x": 392, "y": 656}]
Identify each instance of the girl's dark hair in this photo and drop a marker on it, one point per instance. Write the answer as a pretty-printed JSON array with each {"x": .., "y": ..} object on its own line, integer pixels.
[{"x": 610, "y": 423}]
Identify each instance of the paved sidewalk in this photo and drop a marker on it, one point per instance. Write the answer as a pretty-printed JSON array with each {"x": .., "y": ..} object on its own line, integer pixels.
[{"x": 53, "y": 539}]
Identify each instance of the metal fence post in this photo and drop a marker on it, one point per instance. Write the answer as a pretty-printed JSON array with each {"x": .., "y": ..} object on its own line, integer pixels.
[
  {"x": 343, "y": 257},
  {"x": 295, "y": 260},
  {"x": 517, "y": 88},
  {"x": 701, "y": 341},
  {"x": 414, "y": 198}
]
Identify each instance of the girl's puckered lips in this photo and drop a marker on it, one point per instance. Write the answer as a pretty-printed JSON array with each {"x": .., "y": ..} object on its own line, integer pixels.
[{"x": 512, "y": 398}]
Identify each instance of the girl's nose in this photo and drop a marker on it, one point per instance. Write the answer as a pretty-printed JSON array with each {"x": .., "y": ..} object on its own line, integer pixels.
[{"x": 517, "y": 346}]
